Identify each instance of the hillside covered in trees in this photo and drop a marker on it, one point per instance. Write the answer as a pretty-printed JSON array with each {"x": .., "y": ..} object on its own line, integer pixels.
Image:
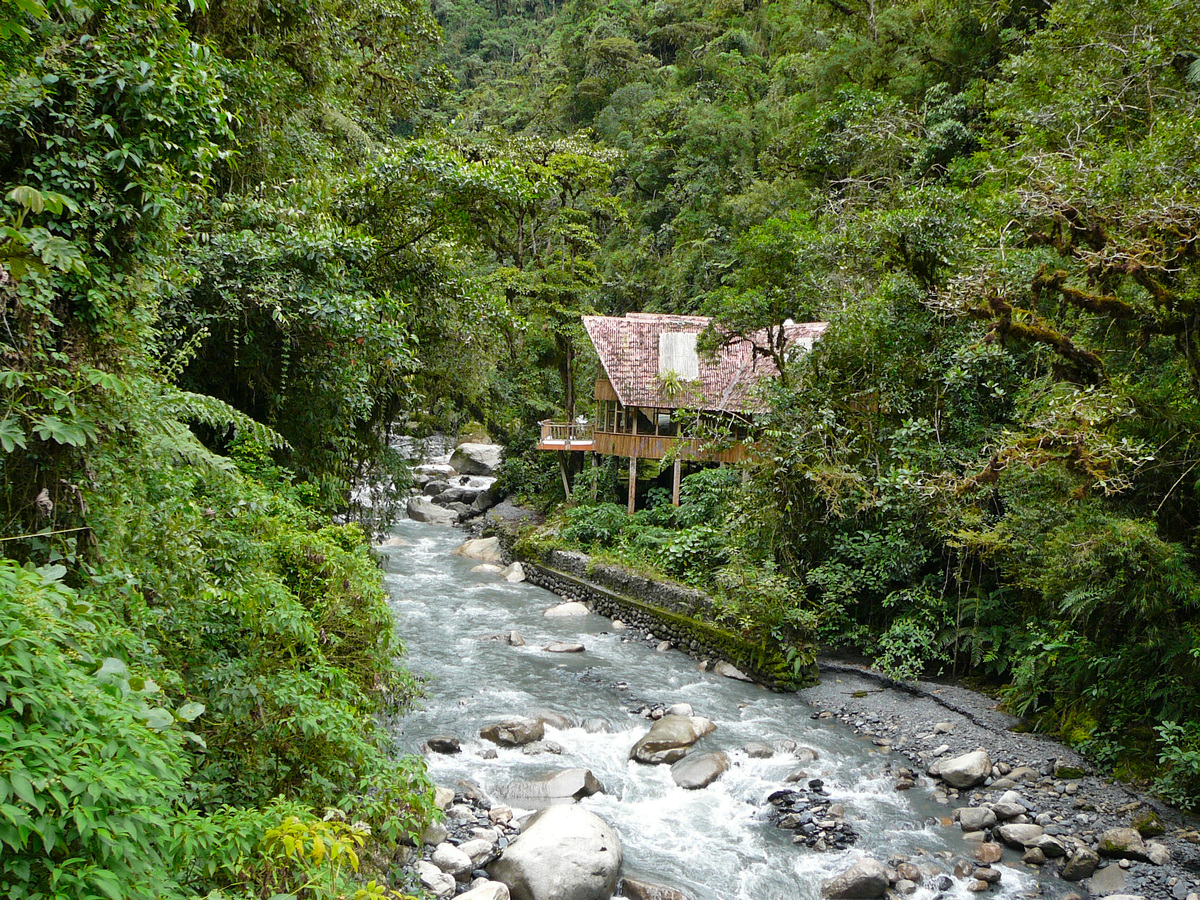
[
  {"x": 244, "y": 244},
  {"x": 989, "y": 465}
]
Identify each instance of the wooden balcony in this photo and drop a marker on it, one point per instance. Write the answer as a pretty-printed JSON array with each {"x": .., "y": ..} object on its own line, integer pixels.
[
  {"x": 573, "y": 436},
  {"x": 566, "y": 436}
]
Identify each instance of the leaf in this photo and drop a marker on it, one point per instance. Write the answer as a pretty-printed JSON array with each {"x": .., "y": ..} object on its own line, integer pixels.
[
  {"x": 30, "y": 198},
  {"x": 112, "y": 668},
  {"x": 12, "y": 435},
  {"x": 318, "y": 848},
  {"x": 189, "y": 712},
  {"x": 159, "y": 719},
  {"x": 52, "y": 428}
]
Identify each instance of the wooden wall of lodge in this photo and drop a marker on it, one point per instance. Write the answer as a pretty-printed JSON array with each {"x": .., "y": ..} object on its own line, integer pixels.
[{"x": 619, "y": 433}]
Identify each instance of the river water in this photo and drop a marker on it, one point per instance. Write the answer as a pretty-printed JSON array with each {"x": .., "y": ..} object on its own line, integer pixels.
[{"x": 714, "y": 843}]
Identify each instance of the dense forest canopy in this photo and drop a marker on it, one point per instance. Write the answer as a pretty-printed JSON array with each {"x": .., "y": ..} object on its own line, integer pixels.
[
  {"x": 243, "y": 244},
  {"x": 989, "y": 464}
]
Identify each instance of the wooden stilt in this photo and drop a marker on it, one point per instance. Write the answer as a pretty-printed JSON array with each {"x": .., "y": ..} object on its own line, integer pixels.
[
  {"x": 675, "y": 481},
  {"x": 562, "y": 470},
  {"x": 632, "y": 484}
]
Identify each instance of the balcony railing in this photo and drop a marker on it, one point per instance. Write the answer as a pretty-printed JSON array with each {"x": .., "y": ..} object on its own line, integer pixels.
[{"x": 567, "y": 435}]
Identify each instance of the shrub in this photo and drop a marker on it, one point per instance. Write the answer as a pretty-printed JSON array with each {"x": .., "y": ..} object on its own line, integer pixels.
[
  {"x": 89, "y": 769},
  {"x": 596, "y": 526},
  {"x": 1180, "y": 753}
]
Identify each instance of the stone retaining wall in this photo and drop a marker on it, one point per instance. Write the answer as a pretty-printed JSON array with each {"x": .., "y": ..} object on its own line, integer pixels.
[{"x": 668, "y": 611}]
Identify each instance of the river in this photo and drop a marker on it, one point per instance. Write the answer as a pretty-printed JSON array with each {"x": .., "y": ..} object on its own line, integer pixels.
[{"x": 714, "y": 843}]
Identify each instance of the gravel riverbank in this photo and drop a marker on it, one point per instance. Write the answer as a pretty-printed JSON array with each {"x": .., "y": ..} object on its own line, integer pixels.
[{"x": 923, "y": 722}]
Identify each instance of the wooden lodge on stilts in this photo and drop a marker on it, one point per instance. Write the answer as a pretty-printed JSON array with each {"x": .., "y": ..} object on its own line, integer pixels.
[{"x": 650, "y": 369}]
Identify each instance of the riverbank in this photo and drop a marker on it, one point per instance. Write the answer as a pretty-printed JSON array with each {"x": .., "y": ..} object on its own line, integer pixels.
[
  {"x": 926, "y": 721},
  {"x": 1037, "y": 808},
  {"x": 1101, "y": 835}
]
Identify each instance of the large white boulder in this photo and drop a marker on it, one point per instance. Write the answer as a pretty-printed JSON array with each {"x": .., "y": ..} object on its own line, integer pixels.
[
  {"x": 866, "y": 879},
  {"x": 730, "y": 671},
  {"x": 435, "y": 880},
  {"x": 567, "y": 610},
  {"x": 477, "y": 459},
  {"x": 563, "y": 853},
  {"x": 422, "y": 509},
  {"x": 695, "y": 772},
  {"x": 483, "y": 549},
  {"x": 964, "y": 771},
  {"x": 564, "y": 786},
  {"x": 451, "y": 860},
  {"x": 670, "y": 738},
  {"x": 487, "y": 890}
]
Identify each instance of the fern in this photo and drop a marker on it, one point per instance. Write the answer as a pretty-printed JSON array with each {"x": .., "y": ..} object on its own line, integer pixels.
[
  {"x": 1193, "y": 72},
  {"x": 172, "y": 438},
  {"x": 218, "y": 414}
]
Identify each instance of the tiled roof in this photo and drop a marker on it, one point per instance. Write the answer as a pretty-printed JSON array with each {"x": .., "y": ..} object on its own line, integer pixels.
[{"x": 628, "y": 351}]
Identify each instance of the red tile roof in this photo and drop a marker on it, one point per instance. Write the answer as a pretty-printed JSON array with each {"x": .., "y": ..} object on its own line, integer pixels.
[{"x": 628, "y": 351}]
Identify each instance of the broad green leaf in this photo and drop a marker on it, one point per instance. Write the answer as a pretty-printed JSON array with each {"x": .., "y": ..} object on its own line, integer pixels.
[
  {"x": 12, "y": 435},
  {"x": 159, "y": 719},
  {"x": 112, "y": 668},
  {"x": 189, "y": 712}
]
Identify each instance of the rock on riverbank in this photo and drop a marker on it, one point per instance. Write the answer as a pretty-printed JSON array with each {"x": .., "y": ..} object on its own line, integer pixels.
[{"x": 1021, "y": 791}]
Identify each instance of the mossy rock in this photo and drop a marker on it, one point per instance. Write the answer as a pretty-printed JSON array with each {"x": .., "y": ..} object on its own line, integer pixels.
[
  {"x": 1148, "y": 823},
  {"x": 1069, "y": 772}
]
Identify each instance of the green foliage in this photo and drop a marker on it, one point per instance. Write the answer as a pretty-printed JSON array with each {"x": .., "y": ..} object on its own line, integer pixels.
[
  {"x": 599, "y": 526},
  {"x": 1180, "y": 753},
  {"x": 988, "y": 463},
  {"x": 89, "y": 771},
  {"x": 191, "y": 655}
]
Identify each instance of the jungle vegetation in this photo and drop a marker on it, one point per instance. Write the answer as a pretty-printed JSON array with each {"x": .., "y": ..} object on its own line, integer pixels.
[
  {"x": 244, "y": 244},
  {"x": 990, "y": 464}
]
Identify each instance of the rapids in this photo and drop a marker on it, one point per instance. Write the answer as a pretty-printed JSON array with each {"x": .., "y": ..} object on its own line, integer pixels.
[{"x": 714, "y": 843}]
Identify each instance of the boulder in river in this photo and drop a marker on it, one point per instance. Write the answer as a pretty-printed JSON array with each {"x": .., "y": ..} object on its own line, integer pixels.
[
  {"x": 487, "y": 569},
  {"x": 557, "y": 788},
  {"x": 513, "y": 731},
  {"x": 695, "y": 772},
  {"x": 1020, "y": 835},
  {"x": 563, "y": 853},
  {"x": 865, "y": 880},
  {"x": 1082, "y": 863},
  {"x": 483, "y": 549},
  {"x": 443, "y": 743},
  {"x": 552, "y": 719},
  {"x": 759, "y": 750},
  {"x": 514, "y": 574},
  {"x": 422, "y": 509},
  {"x": 477, "y": 459},
  {"x": 730, "y": 671},
  {"x": 567, "y": 610},
  {"x": 964, "y": 771},
  {"x": 670, "y": 739},
  {"x": 635, "y": 889},
  {"x": 976, "y": 818},
  {"x": 564, "y": 647},
  {"x": 488, "y": 890}
]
